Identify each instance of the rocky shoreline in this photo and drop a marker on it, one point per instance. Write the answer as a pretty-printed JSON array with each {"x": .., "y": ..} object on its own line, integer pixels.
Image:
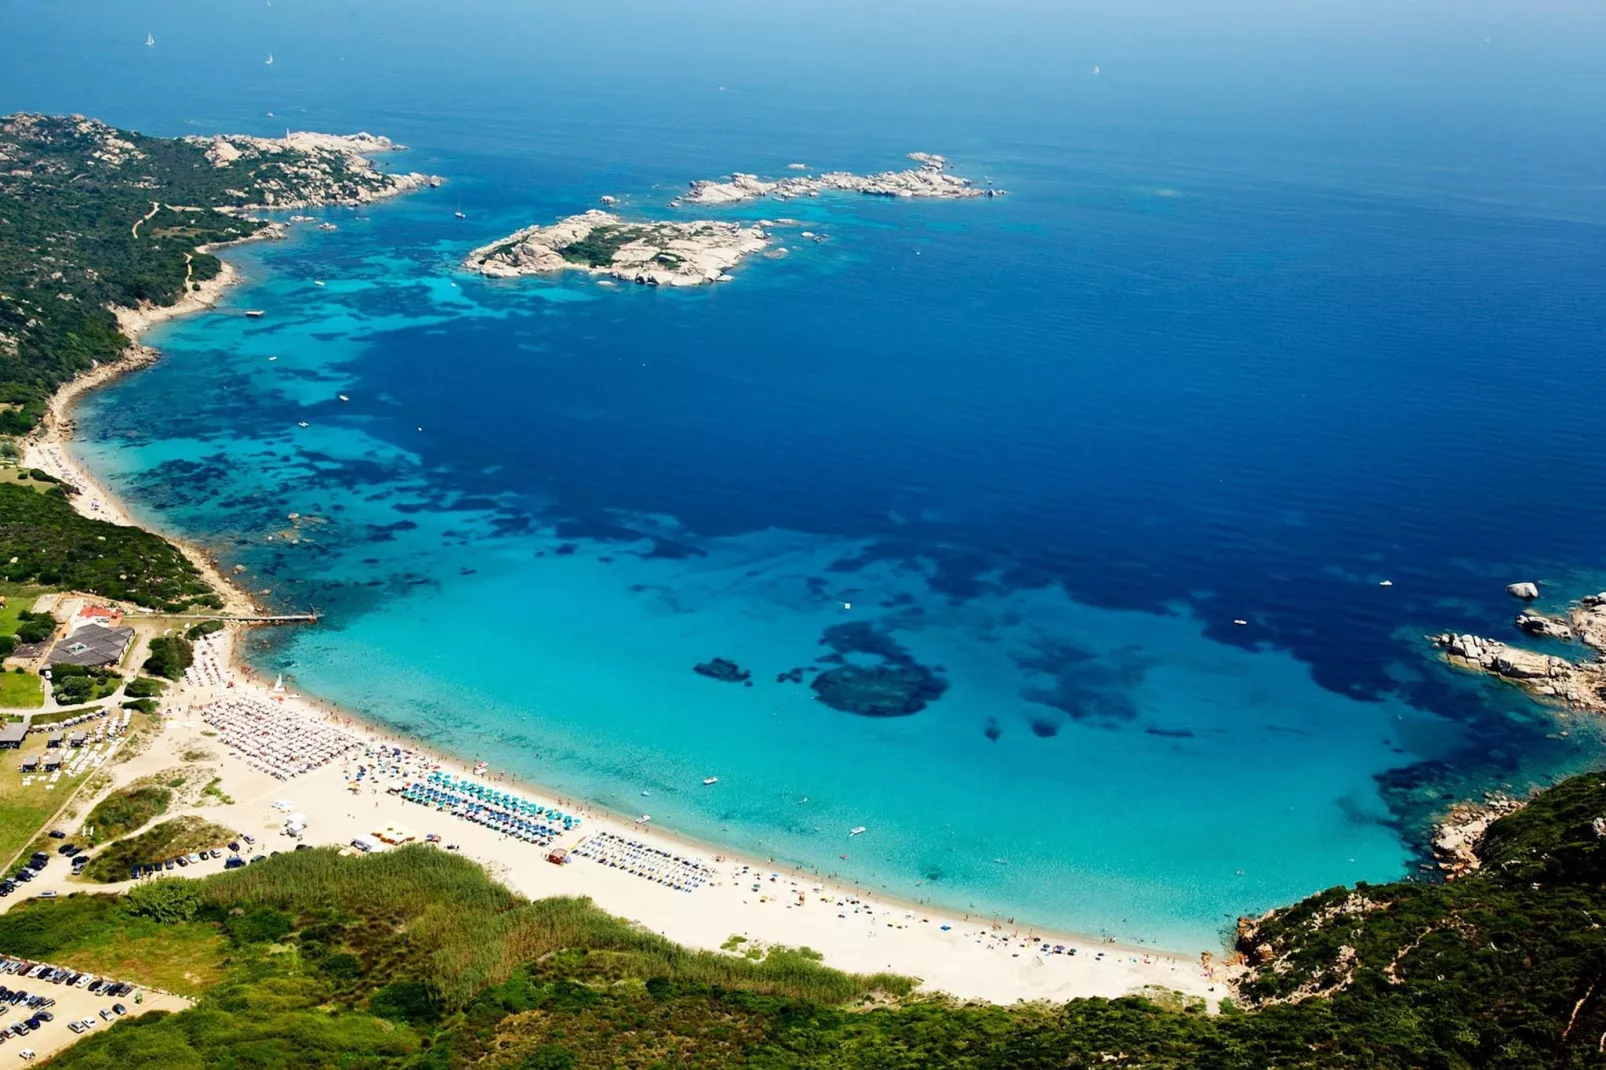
[
  {"x": 1579, "y": 684},
  {"x": 930, "y": 179},
  {"x": 318, "y": 169},
  {"x": 1459, "y": 834},
  {"x": 601, "y": 243}
]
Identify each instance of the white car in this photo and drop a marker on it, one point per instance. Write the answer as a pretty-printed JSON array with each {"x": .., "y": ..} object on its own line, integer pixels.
[
  {"x": 87, "y": 1023},
  {"x": 83, "y": 982}
]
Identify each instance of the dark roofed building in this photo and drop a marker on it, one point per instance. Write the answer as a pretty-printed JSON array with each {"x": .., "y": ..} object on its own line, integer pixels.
[
  {"x": 93, "y": 646},
  {"x": 11, "y": 735}
]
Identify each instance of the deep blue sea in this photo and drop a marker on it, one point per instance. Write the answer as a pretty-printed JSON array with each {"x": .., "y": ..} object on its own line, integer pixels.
[{"x": 1282, "y": 304}]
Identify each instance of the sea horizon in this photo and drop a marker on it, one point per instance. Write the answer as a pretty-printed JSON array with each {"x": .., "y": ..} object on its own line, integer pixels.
[{"x": 1048, "y": 449}]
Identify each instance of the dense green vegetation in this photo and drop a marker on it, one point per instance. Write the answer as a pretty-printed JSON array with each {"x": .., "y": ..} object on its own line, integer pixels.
[
  {"x": 414, "y": 958},
  {"x": 206, "y": 627},
  {"x": 177, "y": 836},
  {"x": 71, "y": 191},
  {"x": 169, "y": 656},
  {"x": 144, "y": 687},
  {"x": 76, "y": 684},
  {"x": 597, "y": 248},
  {"x": 42, "y": 540},
  {"x": 125, "y": 810}
]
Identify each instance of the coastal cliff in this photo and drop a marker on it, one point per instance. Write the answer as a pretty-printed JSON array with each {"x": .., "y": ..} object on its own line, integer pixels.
[
  {"x": 101, "y": 220},
  {"x": 930, "y": 179},
  {"x": 654, "y": 254}
]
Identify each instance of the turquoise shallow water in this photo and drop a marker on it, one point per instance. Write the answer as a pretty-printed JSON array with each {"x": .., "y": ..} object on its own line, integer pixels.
[{"x": 1204, "y": 364}]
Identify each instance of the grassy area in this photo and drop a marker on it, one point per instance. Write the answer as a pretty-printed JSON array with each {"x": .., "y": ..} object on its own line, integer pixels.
[
  {"x": 24, "y": 810},
  {"x": 123, "y": 811},
  {"x": 19, "y": 597},
  {"x": 170, "y": 839},
  {"x": 93, "y": 933},
  {"x": 21, "y": 690}
]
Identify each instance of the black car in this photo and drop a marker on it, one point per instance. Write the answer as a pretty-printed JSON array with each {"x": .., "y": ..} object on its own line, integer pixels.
[
  {"x": 303, "y": 846},
  {"x": 234, "y": 845},
  {"x": 68, "y": 849},
  {"x": 168, "y": 864},
  {"x": 258, "y": 858},
  {"x": 24, "y": 875},
  {"x": 182, "y": 860},
  {"x": 95, "y": 987},
  {"x": 57, "y": 834},
  {"x": 119, "y": 1010},
  {"x": 45, "y": 1016},
  {"x": 233, "y": 862}
]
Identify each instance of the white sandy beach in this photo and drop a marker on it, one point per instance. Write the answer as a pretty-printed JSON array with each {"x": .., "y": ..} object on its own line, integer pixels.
[
  {"x": 857, "y": 932},
  {"x": 854, "y": 931}
]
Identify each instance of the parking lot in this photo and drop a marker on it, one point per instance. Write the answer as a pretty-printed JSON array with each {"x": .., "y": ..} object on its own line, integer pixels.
[{"x": 71, "y": 1004}]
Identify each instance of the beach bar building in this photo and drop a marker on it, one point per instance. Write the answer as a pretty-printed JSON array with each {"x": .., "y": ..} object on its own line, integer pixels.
[{"x": 93, "y": 646}]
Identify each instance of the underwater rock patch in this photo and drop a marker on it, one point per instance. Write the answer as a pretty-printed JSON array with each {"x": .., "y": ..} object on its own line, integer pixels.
[
  {"x": 895, "y": 687},
  {"x": 722, "y": 669}
]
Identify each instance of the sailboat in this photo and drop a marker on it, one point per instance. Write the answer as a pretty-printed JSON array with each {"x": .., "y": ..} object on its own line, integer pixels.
[
  {"x": 150, "y": 41},
  {"x": 270, "y": 59}
]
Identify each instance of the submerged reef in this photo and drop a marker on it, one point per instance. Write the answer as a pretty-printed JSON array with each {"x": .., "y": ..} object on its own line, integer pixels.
[{"x": 894, "y": 685}]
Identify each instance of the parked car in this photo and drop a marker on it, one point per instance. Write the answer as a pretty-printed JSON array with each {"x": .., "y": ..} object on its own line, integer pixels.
[
  {"x": 46, "y": 1016},
  {"x": 217, "y": 852},
  {"x": 168, "y": 864},
  {"x": 258, "y": 858},
  {"x": 194, "y": 858},
  {"x": 303, "y": 846},
  {"x": 47, "y": 894},
  {"x": 76, "y": 1027},
  {"x": 119, "y": 1010},
  {"x": 248, "y": 838},
  {"x": 57, "y": 834},
  {"x": 181, "y": 860},
  {"x": 105, "y": 1014},
  {"x": 233, "y": 862}
]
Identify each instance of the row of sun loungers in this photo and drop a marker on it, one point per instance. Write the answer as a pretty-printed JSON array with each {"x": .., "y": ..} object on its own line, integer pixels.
[
  {"x": 646, "y": 861},
  {"x": 282, "y": 743}
]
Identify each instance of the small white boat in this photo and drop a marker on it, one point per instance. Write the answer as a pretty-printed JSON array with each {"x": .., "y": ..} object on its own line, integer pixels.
[
  {"x": 710, "y": 780},
  {"x": 1241, "y": 623},
  {"x": 270, "y": 59},
  {"x": 460, "y": 214},
  {"x": 255, "y": 313},
  {"x": 645, "y": 817},
  {"x": 150, "y": 40},
  {"x": 342, "y": 397},
  {"x": 317, "y": 282},
  {"x": 644, "y": 791},
  {"x": 273, "y": 358},
  {"x": 1386, "y": 583},
  {"x": 303, "y": 423},
  {"x": 857, "y": 830}
]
